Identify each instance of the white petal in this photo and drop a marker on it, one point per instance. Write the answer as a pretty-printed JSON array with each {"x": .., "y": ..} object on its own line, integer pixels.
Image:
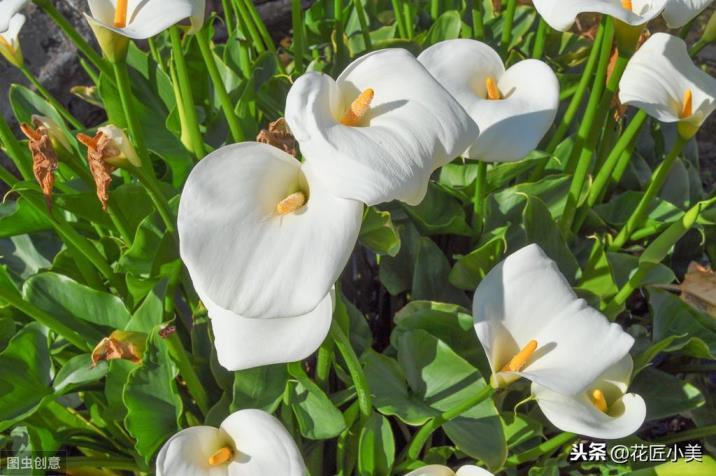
[
  {"x": 413, "y": 127},
  {"x": 561, "y": 15},
  {"x": 243, "y": 343},
  {"x": 579, "y": 415},
  {"x": 263, "y": 446},
  {"x": 509, "y": 128},
  {"x": 145, "y": 18},
  {"x": 657, "y": 77},
  {"x": 432, "y": 470},
  {"x": 13, "y": 31},
  {"x": 525, "y": 297},
  {"x": 241, "y": 254},
  {"x": 471, "y": 470},
  {"x": 187, "y": 453},
  {"x": 197, "y": 15},
  {"x": 8, "y": 9},
  {"x": 679, "y": 12}
]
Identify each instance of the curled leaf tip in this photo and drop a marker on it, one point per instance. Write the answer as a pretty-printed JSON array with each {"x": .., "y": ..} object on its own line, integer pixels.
[{"x": 44, "y": 159}]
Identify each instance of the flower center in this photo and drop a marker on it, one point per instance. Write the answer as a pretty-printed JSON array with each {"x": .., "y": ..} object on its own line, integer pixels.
[
  {"x": 521, "y": 358},
  {"x": 627, "y": 5},
  {"x": 599, "y": 401},
  {"x": 358, "y": 108},
  {"x": 221, "y": 456},
  {"x": 493, "y": 92},
  {"x": 120, "y": 14},
  {"x": 291, "y": 203},
  {"x": 687, "y": 104}
]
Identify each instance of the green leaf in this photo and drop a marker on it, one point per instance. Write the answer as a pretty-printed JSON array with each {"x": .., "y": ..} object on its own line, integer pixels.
[
  {"x": 260, "y": 387},
  {"x": 317, "y": 418},
  {"x": 18, "y": 218},
  {"x": 69, "y": 300},
  {"x": 439, "y": 213},
  {"x": 471, "y": 268},
  {"x": 152, "y": 399},
  {"x": 430, "y": 276},
  {"x": 378, "y": 232},
  {"x": 78, "y": 371},
  {"x": 376, "y": 447},
  {"x": 446, "y": 27},
  {"x": 25, "y": 377},
  {"x": 520, "y": 428},
  {"x": 672, "y": 316},
  {"x": 664, "y": 394},
  {"x": 597, "y": 273},
  {"x": 150, "y": 313},
  {"x": 542, "y": 229}
]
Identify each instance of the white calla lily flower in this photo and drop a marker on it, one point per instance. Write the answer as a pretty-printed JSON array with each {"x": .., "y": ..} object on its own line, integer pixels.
[
  {"x": 260, "y": 236},
  {"x": 9, "y": 40},
  {"x": 605, "y": 410},
  {"x": 662, "y": 80},
  {"x": 249, "y": 443},
  {"x": 679, "y": 12},
  {"x": 377, "y": 132},
  {"x": 244, "y": 343},
  {"x": 440, "y": 470},
  {"x": 513, "y": 108},
  {"x": 142, "y": 19},
  {"x": 531, "y": 324},
  {"x": 8, "y": 9},
  {"x": 561, "y": 15}
]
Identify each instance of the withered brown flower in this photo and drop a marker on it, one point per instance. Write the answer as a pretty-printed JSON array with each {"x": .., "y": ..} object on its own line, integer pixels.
[
  {"x": 279, "y": 136},
  {"x": 99, "y": 148},
  {"x": 120, "y": 345},
  {"x": 44, "y": 158}
]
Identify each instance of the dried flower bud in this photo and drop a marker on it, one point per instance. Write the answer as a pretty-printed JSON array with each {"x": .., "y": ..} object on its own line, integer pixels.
[
  {"x": 50, "y": 127},
  {"x": 44, "y": 158},
  {"x": 120, "y": 345},
  {"x": 278, "y": 136}
]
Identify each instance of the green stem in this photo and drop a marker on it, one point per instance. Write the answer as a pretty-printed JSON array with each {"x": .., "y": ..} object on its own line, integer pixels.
[
  {"x": 343, "y": 344},
  {"x": 508, "y": 19},
  {"x": 260, "y": 25},
  {"x": 478, "y": 25},
  {"x": 187, "y": 96},
  {"x": 408, "y": 22},
  {"x": 540, "y": 39},
  {"x": 228, "y": 17},
  {"x": 548, "y": 447},
  {"x": 126, "y": 98},
  {"x": 416, "y": 445},
  {"x": 298, "y": 46},
  {"x": 155, "y": 194},
  {"x": 338, "y": 28},
  {"x": 698, "y": 46},
  {"x": 657, "y": 181},
  {"x": 14, "y": 298},
  {"x": 50, "y": 98},
  {"x": 364, "y": 27},
  {"x": 202, "y": 38},
  {"x": 480, "y": 194},
  {"x": 435, "y": 9},
  {"x": 186, "y": 369},
  {"x": 399, "y": 19},
  {"x": 245, "y": 20},
  {"x": 154, "y": 50},
  {"x": 13, "y": 148},
  {"x": 323, "y": 364},
  {"x": 74, "y": 36},
  {"x": 694, "y": 434}
]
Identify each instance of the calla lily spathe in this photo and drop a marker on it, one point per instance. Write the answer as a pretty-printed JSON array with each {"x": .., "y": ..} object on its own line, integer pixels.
[
  {"x": 513, "y": 108},
  {"x": 605, "y": 410},
  {"x": 377, "y": 132},
  {"x": 561, "y": 15},
  {"x": 145, "y": 18},
  {"x": 244, "y": 343},
  {"x": 9, "y": 40},
  {"x": 440, "y": 470},
  {"x": 260, "y": 236},
  {"x": 662, "y": 80},
  {"x": 679, "y": 12},
  {"x": 531, "y": 324},
  {"x": 8, "y": 9},
  {"x": 248, "y": 443}
]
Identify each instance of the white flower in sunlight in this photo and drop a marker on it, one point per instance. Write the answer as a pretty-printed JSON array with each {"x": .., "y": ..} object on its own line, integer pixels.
[
  {"x": 662, "y": 80},
  {"x": 561, "y": 15},
  {"x": 513, "y": 108},
  {"x": 260, "y": 236},
  {"x": 440, "y": 470},
  {"x": 244, "y": 343},
  {"x": 679, "y": 12},
  {"x": 531, "y": 324},
  {"x": 377, "y": 132},
  {"x": 8, "y": 9},
  {"x": 604, "y": 410},
  {"x": 142, "y": 19},
  {"x": 9, "y": 42},
  {"x": 249, "y": 443}
]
